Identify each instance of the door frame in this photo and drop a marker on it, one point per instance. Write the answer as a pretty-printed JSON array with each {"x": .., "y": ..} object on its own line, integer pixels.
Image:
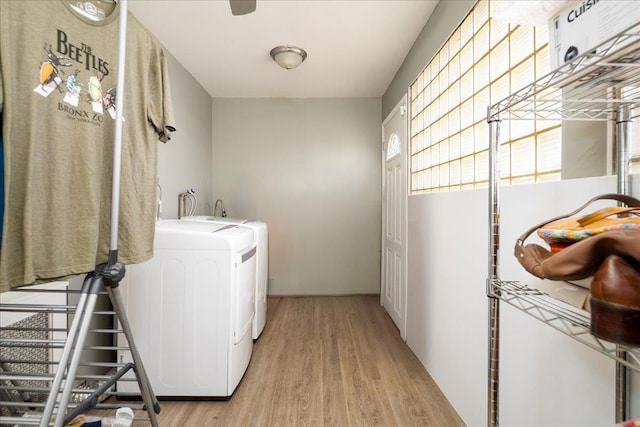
[{"x": 401, "y": 107}]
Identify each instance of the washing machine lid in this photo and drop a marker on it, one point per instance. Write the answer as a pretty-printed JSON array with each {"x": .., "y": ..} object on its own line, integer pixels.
[
  {"x": 180, "y": 234},
  {"x": 218, "y": 219},
  {"x": 188, "y": 226}
]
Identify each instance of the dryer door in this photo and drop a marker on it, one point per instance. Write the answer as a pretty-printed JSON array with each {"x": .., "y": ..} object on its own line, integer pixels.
[{"x": 246, "y": 293}]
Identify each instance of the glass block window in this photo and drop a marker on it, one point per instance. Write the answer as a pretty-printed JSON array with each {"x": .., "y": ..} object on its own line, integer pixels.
[{"x": 482, "y": 62}]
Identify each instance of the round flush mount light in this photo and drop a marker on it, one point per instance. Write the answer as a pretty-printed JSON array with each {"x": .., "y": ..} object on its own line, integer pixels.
[{"x": 288, "y": 57}]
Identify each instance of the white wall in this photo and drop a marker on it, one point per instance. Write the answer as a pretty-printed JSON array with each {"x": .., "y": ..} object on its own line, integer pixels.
[
  {"x": 546, "y": 378},
  {"x": 185, "y": 161},
  {"x": 310, "y": 169}
]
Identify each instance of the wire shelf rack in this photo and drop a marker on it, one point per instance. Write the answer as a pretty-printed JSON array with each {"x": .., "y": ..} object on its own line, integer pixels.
[
  {"x": 582, "y": 89},
  {"x": 562, "y": 317}
]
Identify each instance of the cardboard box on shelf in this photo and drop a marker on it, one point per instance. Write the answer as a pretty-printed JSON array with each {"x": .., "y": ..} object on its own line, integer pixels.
[{"x": 580, "y": 28}]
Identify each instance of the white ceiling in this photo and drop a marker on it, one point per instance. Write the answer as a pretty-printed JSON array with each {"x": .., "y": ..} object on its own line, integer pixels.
[{"x": 355, "y": 47}]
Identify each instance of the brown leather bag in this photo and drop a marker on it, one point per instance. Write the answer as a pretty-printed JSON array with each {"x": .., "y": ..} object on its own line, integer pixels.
[{"x": 581, "y": 259}]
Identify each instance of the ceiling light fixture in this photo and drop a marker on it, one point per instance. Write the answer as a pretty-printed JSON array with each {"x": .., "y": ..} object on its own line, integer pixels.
[{"x": 288, "y": 57}]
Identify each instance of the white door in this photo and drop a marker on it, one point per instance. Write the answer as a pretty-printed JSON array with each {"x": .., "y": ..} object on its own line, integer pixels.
[{"x": 394, "y": 216}]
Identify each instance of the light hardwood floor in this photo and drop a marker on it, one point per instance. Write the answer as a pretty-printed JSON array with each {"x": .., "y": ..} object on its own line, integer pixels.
[{"x": 324, "y": 361}]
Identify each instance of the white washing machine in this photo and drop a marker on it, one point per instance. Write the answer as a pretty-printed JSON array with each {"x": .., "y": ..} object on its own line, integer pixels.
[
  {"x": 262, "y": 269},
  {"x": 191, "y": 309}
]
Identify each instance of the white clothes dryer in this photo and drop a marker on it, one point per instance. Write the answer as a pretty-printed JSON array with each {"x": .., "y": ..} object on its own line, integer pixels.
[
  {"x": 261, "y": 236},
  {"x": 191, "y": 309}
]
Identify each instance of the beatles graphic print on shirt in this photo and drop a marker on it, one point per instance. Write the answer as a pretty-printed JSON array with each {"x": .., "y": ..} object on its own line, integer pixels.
[{"x": 84, "y": 81}]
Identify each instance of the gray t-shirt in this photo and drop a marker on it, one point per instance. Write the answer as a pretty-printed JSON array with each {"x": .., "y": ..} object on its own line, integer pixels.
[{"x": 58, "y": 66}]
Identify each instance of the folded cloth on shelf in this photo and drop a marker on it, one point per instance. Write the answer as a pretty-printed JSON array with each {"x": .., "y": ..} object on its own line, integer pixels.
[
  {"x": 567, "y": 292},
  {"x": 562, "y": 233}
]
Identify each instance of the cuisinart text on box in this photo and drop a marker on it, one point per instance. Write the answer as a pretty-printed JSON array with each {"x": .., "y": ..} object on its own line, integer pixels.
[{"x": 587, "y": 24}]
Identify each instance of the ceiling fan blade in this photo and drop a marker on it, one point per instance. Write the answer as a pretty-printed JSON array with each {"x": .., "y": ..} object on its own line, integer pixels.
[{"x": 242, "y": 7}]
